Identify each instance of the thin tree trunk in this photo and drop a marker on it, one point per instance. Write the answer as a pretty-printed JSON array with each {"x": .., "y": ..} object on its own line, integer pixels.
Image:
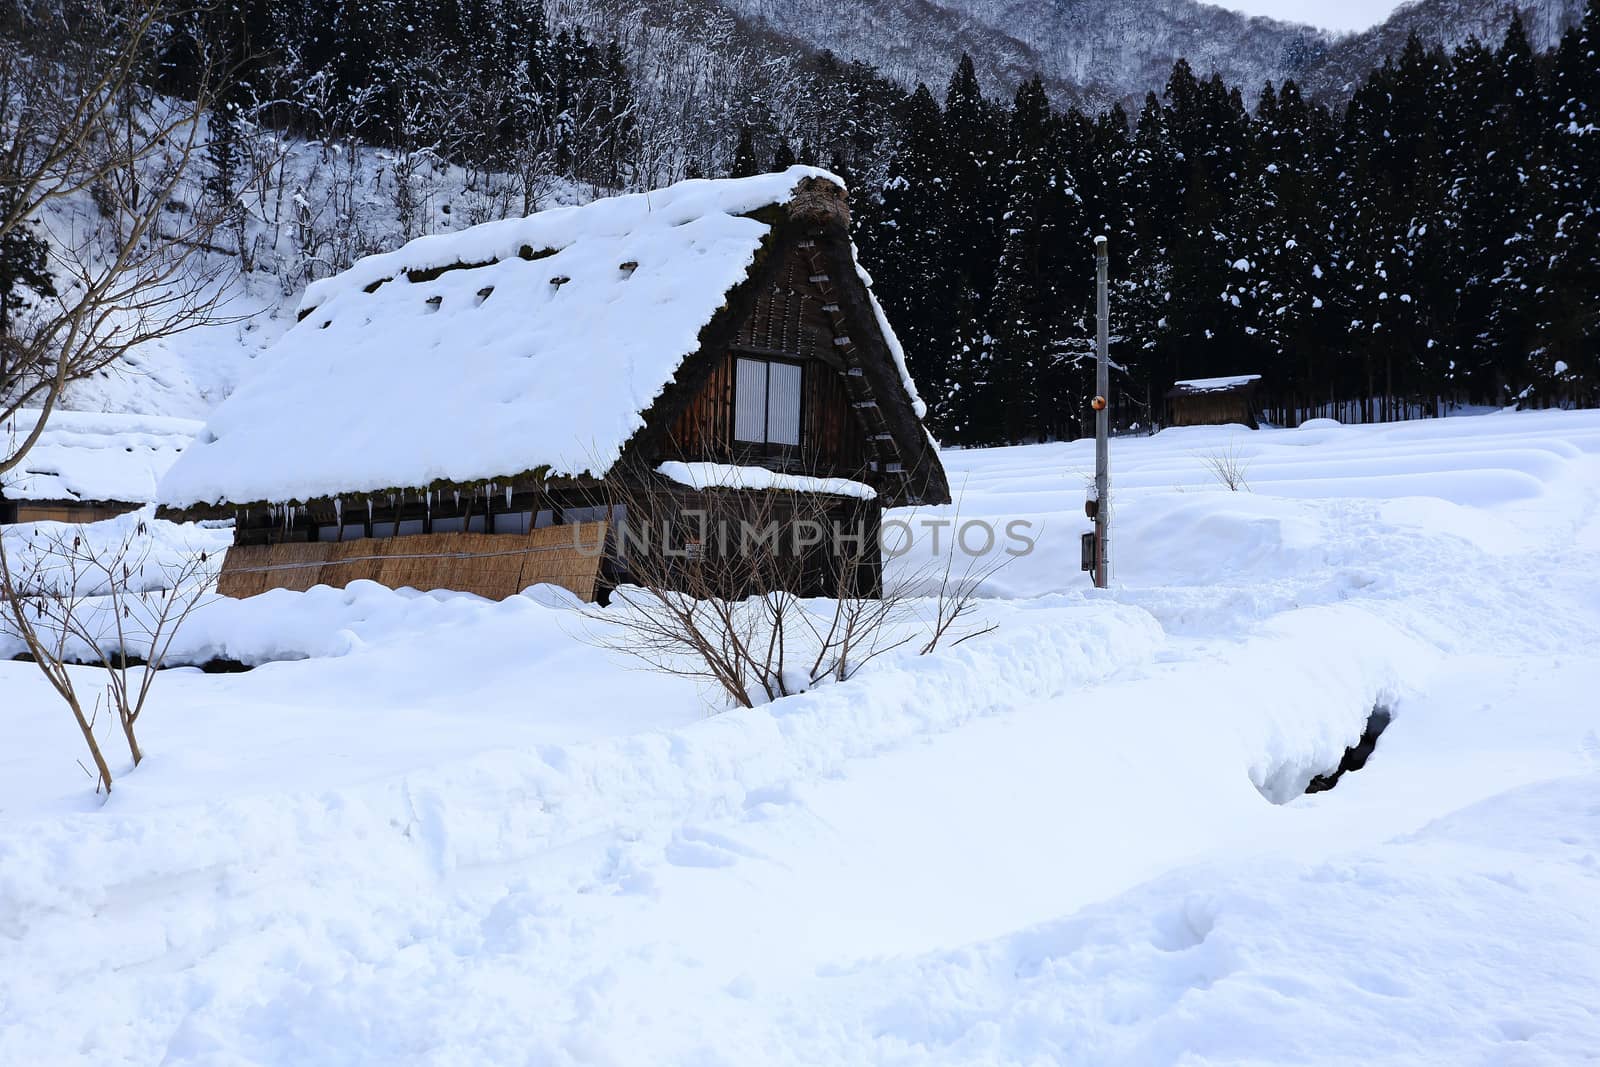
[{"x": 133, "y": 744}]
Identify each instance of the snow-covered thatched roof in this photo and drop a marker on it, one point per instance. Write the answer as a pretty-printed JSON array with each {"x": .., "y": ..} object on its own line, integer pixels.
[
  {"x": 89, "y": 456},
  {"x": 510, "y": 347}
]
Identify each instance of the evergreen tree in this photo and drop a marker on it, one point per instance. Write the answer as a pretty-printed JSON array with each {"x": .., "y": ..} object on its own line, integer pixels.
[
  {"x": 1020, "y": 321},
  {"x": 617, "y": 119},
  {"x": 973, "y": 140},
  {"x": 744, "y": 157},
  {"x": 905, "y": 243},
  {"x": 1039, "y": 390},
  {"x": 1568, "y": 324},
  {"x": 1290, "y": 245},
  {"x": 1510, "y": 183},
  {"x": 24, "y": 273},
  {"x": 1154, "y": 197},
  {"x": 1204, "y": 328},
  {"x": 1474, "y": 186},
  {"x": 969, "y": 388}
]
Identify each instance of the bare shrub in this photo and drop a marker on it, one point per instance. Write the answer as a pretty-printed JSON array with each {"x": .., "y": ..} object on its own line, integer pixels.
[
  {"x": 766, "y": 594},
  {"x": 956, "y": 598},
  {"x": 1228, "y": 466},
  {"x": 71, "y": 601},
  {"x": 745, "y": 604},
  {"x": 80, "y": 118}
]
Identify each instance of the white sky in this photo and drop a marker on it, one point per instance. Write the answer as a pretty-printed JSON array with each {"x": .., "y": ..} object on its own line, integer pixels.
[{"x": 1341, "y": 15}]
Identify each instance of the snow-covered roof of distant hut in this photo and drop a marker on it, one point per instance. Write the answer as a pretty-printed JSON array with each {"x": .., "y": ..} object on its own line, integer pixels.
[
  {"x": 510, "y": 347},
  {"x": 91, "y": 456},
  {"x": 1191, "y": 386}
]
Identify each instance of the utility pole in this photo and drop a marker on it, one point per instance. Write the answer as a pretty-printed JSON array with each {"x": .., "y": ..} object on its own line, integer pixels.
[{"x": 1102, "y": 422}]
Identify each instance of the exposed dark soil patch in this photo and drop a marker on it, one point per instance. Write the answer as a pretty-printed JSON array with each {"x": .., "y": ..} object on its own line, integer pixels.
[
  {"x": 215, "y": 665},
  {"x": 1356, "y": 756}
]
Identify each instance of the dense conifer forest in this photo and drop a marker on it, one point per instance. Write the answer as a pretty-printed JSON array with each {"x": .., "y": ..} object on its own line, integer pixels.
[
  {"x": 1433, "y": 242},
  {"x": 1430, "y": 242}
]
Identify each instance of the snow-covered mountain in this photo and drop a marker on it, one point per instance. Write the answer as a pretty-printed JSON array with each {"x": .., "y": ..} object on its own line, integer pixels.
[
  {"x": 1087, "y": 52},
  {"x": 1095, "y": 53},
  {"x": 1448, "y": 22}
]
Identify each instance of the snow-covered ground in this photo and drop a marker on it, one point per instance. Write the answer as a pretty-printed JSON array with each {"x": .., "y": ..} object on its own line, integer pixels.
[{"x": 434, "y": 830}]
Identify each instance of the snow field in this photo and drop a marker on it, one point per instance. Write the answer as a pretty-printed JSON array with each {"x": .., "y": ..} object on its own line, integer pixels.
[{"x": 456, "y": 833}]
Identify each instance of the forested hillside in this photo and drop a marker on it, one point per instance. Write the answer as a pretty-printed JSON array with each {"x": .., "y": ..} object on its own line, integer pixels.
[
  {"x": 1090, "y": 54},
  {"x": 1085, "y": 53},
  {"x": 1097, "y": 54},
  {"x": 1345, "y": 65},
  {"x": 1431, "y": 242}
]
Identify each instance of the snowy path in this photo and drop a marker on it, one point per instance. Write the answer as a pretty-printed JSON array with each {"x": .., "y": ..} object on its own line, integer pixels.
[{"x": 1045, "y": 846}]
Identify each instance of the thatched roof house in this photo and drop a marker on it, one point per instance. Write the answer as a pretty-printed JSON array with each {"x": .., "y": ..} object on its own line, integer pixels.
[
  {"x": 1213, "y": 401},
  {"x": 485, "y": 382},
  {"x": 88, "y": 466}
]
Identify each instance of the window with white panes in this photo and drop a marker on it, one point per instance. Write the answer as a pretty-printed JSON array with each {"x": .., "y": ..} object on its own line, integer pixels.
[{"x": 766, "y": 399}]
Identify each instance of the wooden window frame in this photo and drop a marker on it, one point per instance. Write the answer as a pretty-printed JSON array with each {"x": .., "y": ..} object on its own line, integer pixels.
[{"x": 766, "y": 448}]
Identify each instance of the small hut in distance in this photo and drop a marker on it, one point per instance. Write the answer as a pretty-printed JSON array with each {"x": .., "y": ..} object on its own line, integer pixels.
[
  {"x": 1214, "y": 401},
  {"x": 87, "y": 466}
]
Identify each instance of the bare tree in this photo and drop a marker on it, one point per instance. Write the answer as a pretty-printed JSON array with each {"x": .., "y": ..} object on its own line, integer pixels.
[
  {"x": 71, "y": 601},
  {"x": 77, "y": 119}
]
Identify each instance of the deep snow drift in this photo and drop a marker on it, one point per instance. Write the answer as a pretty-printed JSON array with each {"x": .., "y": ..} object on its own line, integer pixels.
[{"x": 435, "y": 830}]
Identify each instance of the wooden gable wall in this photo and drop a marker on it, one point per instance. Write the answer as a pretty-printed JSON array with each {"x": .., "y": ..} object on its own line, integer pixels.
[
  {"x": 786, "y": 322},
  {"x": 804, "y": 300},
  {"x": 1214, "y": 408},
  {"x": 832, "y": 442}
]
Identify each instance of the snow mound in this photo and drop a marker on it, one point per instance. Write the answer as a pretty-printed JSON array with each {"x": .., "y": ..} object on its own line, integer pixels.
[
  {"x": 508, "y": 800},
  {"x": 1208, "y": 537}
]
